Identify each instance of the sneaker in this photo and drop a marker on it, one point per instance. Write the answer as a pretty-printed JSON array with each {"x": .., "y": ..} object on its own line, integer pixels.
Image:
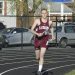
[{"x": 39, "y": 73}]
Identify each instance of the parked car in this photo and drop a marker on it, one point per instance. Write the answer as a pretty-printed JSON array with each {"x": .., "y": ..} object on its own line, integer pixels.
[
  {"x": 17, "y": 36},
  {"x": 1, "y": 40},
  {"x": 2, "y": 26},
  {"x": 65, "y": 34}
]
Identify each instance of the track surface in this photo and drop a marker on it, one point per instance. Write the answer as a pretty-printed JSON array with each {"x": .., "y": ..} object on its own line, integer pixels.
[{"x": 14, "y": 61}]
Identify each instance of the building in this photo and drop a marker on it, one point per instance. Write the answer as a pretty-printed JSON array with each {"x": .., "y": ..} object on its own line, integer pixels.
[
  {"x": 7, "y": 13},
  {"x": 56, "y": 9},
  {"x": 9, "y": 10}
]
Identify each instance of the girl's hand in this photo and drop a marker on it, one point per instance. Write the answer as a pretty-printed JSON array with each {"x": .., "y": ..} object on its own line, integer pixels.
[{"x": 53, "y": 38}]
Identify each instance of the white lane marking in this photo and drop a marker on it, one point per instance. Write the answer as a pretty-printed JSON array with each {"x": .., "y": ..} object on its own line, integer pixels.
[
  {"x": 57, "y": 53},
  {"x": 4, "y": 59},
  {"x": 17, "y": 55},
  {"x": 68, "y": 57},
  {"x": 55, "y": 58},
  {"x": 30, "y": 57},
  {"x": 16, "y": 62},
  {"x": 33, "y": 57},
  {"x": 59, "y": 67},
  {"x": 33, "y": 65},
  {"x": 17, "y": 68},
  {"x": 54, "y": 53},
  {"x": 17, "y": 50},
  {"x": 15, "y": 58},
  {"x": 59, "y": 61},
  {"x": 35, "y": 60}
]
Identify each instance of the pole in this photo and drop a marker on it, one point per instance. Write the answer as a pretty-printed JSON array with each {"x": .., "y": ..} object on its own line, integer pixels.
[
  {"x": 21, "y": 13},
  {"x": 5, "y": 7},
  {"x": 49, "y": 10},
  {"x": 73, "y": 12},
  {"x": 62, "y": 11},
  {"x": 56, "y": 31}
]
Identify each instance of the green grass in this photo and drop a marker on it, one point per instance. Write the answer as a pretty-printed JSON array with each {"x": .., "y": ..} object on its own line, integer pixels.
[{"x": 71, "y": 73}]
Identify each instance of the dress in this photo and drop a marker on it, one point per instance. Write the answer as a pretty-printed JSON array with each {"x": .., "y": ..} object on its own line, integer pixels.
[{"x": 41, "y": 41}]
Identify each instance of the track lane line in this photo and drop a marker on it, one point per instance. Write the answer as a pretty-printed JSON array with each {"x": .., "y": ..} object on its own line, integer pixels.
[{"x": 30, "y": 66}]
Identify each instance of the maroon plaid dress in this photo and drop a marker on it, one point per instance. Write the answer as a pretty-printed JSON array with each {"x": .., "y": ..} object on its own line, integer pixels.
[{"x": 41, "y": 41}]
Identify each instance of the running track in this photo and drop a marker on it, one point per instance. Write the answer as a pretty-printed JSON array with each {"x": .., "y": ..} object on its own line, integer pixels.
[{"x": 14, "y": 61}]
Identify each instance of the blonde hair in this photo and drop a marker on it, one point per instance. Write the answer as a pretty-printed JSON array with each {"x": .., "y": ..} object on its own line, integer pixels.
[{"x": 43, "y": 9}]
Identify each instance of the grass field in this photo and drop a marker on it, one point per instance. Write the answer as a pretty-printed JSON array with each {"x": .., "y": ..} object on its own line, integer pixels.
[{"x": 71, "y": 73}]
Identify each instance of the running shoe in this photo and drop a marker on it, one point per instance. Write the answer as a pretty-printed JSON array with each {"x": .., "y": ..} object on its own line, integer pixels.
[{"x": 39, "y": 73}]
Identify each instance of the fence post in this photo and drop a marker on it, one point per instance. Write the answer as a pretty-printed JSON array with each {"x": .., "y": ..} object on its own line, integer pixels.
[
  {"x": 21, "y": 33},
  {"x": 56, "y": 30}
]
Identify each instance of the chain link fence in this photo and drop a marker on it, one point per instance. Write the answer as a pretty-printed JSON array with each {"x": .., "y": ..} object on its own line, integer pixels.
[{"x": 27, "y": 22}]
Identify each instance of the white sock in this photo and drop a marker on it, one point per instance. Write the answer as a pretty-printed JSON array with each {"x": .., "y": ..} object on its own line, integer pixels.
[{"x": 40, "y": 67}]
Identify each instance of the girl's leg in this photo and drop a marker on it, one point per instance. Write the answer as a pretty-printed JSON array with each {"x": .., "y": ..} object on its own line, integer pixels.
[
  {"x": 37, "y": 53},
  {"x": 41, "y": 61}
]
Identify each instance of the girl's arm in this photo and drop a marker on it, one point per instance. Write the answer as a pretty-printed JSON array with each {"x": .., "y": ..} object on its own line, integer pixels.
[
  {"x": 36, "y": 22},
  {"x": 33, "y": 27}
]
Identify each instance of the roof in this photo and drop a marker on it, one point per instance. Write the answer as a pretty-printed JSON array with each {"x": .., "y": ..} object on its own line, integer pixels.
[{"x": 54, "y": 8}]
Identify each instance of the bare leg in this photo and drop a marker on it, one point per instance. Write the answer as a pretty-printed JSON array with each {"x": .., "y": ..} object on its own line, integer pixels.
[
  {"x": 41, "y": 61},
  {"x": 37, "y": 52}
]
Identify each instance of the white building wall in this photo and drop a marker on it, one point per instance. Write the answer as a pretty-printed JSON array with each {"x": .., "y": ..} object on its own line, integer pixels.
[{"x": 8, "y": 21}]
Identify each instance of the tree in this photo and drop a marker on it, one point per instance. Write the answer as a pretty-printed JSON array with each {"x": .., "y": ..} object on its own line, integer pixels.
[{"x": 22, "y": 12}]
